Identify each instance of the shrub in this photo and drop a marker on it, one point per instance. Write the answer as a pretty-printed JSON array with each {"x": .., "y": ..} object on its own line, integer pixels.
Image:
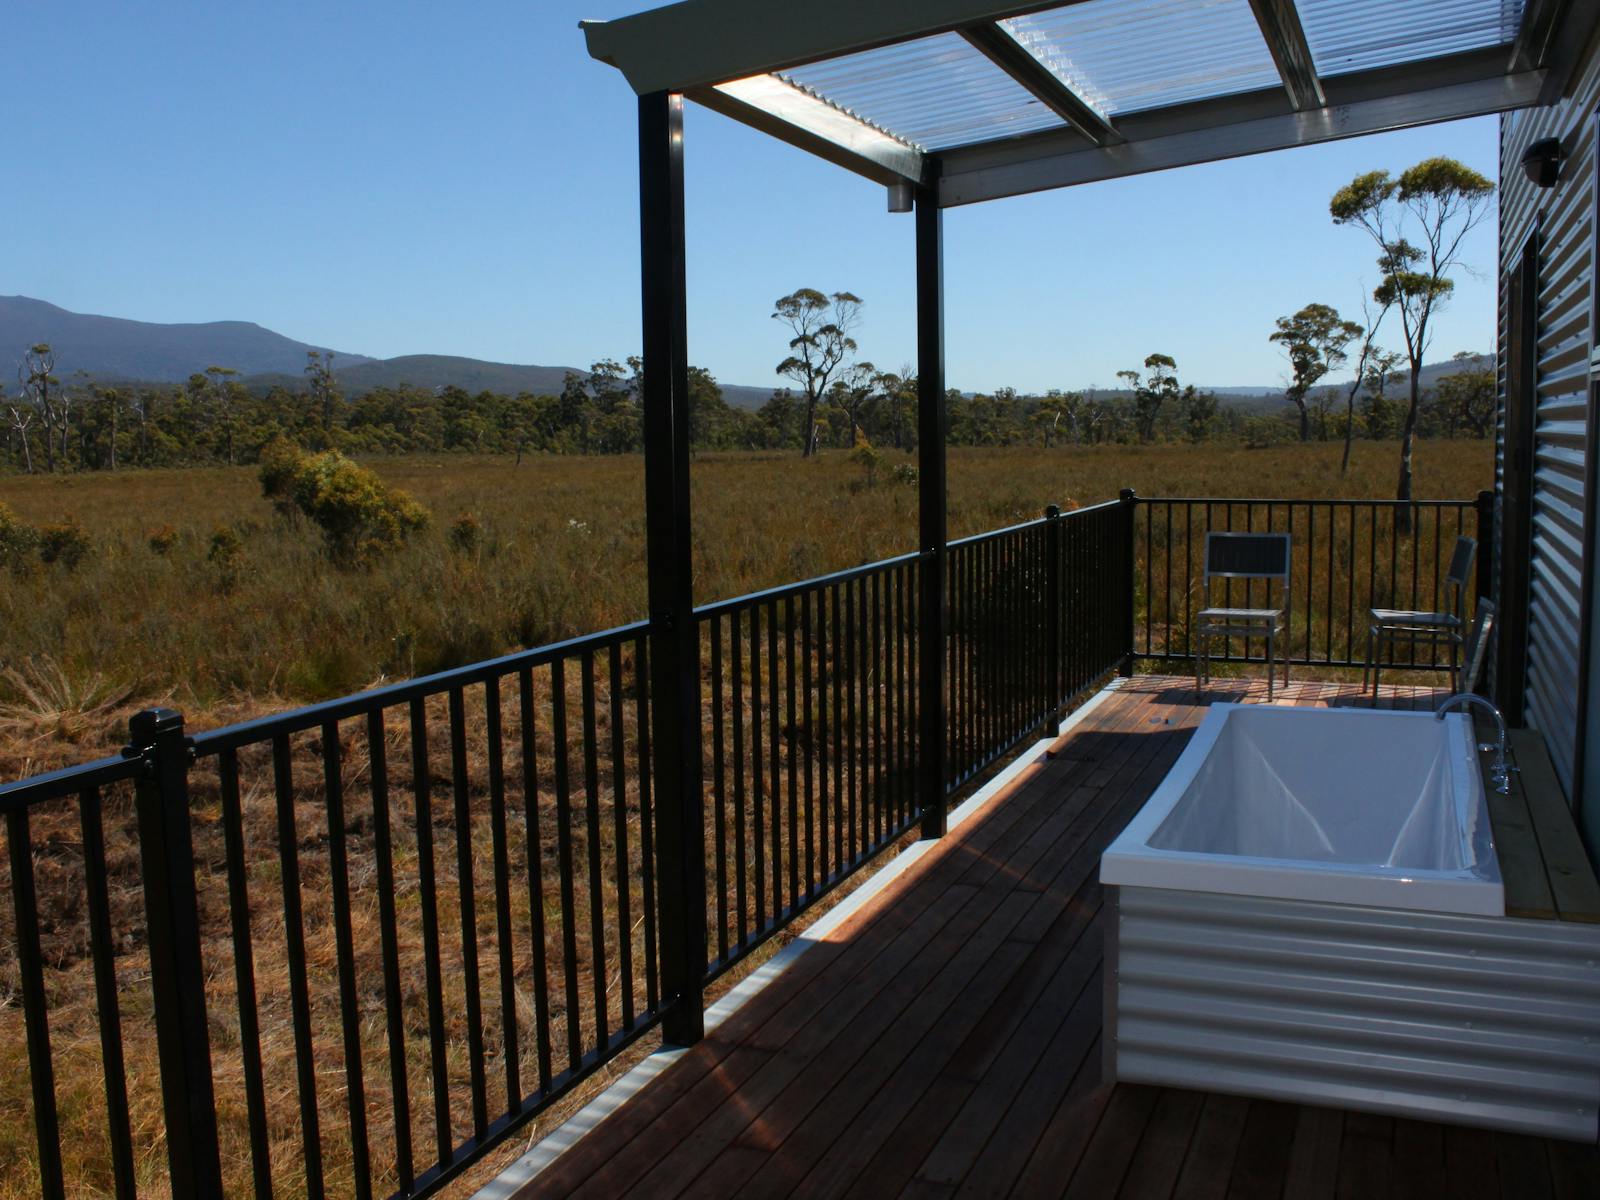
[
  {"x": 226, "y": 548},
  {"x": 163, "y": 540},
  {"x": 904, "y": 473},
  {"x": 466, "y": 534},
  {"x": 868, "y": 459},
  {"x": 281, "y": 459},
  {"x": 65, "y": 542},
  {"x": 359, "y": 515},
  {"x": 18, "y": 541}
]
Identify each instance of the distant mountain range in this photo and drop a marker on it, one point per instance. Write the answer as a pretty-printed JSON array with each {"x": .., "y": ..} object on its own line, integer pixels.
[{"x": 118, "y": 350}]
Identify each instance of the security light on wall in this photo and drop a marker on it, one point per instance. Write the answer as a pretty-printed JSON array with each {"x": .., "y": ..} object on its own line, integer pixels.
[{"x": 1541, "y": 162}]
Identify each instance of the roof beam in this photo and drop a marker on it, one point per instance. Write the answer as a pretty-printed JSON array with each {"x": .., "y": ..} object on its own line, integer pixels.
[
  {"x": 1286, "y": 40},
  {"x": 1552, "y": 36},
  {"x": 699, "y": 43},
  {"x": 1541, "y": 20},
  {"x": 794, "y": 115},
  {"x": 1019, "y": 62},
  {"x": 1210, "y": 132}
]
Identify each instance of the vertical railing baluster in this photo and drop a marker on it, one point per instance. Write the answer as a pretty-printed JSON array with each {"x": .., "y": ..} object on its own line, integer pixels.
[
  {"x": 599, "y": 974},
  {"x": 824, "y": 792},
  {"x": 92, "y": 827},
  {"x": 719, "y": 784},
  {"x": 810, "y": 744},
  {"x": 35, "y": 1005},
  {"x": 790, "y": 746},
  {"x": 510, "y": 1036},
  {"x": 427, "y": 892},
  {"x": 619, "y": 819},
  {"x": 466, "y": 895},
  {"x": 774, "y": 751},
  {"x": 344, "y": 950},
  {"x": 851, "y": 729},
  {"x": 393, "y": 1001},
  {"x": 527, "y": 727},
  {"x": 299, "y": 992},
  {"x": 647, "y": 854},
  {"x": 758, "y": 768},
  {"x": 736, "y": 651},
  {"x": 564, "y": 857}
]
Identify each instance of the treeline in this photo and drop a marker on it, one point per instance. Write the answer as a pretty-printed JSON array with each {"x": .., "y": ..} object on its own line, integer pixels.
[{"x": 216, "y": 419}]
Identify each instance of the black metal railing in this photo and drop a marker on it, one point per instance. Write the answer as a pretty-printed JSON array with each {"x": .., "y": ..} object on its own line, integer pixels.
[
  {"x": 1348, "y": 556},
  {"x": 349, "y": 949},
  {"x": 1036, "y": 617},
  {"x": 811, "y": 747},
  {"x": 428, "y": 912}
]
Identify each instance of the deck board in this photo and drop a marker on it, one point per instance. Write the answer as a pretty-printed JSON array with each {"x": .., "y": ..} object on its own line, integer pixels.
[{"x": 946, "y": 1040}]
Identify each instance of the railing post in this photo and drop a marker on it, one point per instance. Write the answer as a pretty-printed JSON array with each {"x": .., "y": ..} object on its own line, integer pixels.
[
  {"x": 1130, "y": 504},
  {"x": 674, "y": 634},
  {"x": 1052, "y": 603},
  {"x": 1485, "y": 535},
  {"x": 177, "y": 975}
]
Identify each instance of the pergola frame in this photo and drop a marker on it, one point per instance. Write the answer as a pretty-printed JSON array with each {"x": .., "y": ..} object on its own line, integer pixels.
[{"x": 723, "y": 53}]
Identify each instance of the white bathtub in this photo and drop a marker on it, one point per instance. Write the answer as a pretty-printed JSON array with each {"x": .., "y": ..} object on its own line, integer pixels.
[{"x": 1342, "y": 806}]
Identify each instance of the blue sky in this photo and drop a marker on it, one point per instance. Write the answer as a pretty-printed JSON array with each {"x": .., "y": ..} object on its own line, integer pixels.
[{"x": 396, "y": 177}]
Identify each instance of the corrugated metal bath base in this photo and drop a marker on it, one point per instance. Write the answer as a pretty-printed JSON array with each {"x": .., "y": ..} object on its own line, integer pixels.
[{"x": 1490, "y": 1021}]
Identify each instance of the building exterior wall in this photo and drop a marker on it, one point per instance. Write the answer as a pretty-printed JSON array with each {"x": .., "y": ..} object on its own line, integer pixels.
[{"x": 1563, "y": 360}]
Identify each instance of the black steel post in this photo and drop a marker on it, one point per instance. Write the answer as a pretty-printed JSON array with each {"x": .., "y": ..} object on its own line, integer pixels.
[
  {"x": 674, "y": 638},
  {"x": 1130, "y": 506},
  {"x": 1052, "y": 604},
  {"x": 1485, "y": 536},
  {"x": 934, "y": 621},
  {"x": 177, "y": 977}
]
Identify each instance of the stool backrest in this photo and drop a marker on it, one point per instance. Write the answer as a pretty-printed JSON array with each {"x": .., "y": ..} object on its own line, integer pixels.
[
  {"x": 1459, "y": 571},
  {"x": 1477, "y": 651},
  {"x": 1247, "y": 556}
]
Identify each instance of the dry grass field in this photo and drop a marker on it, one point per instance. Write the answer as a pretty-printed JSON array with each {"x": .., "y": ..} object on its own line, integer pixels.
[{"x": 561, "y": 554}]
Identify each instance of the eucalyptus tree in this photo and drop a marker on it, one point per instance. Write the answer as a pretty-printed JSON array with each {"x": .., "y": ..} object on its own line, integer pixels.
[
  {"x": 1315, "y": 339},
  {"x": 823, "y": 342},
  {"x": 1419, "y": 223},
  {"x": 42, "y": 392},
  {"x": 1365, "y": 357},
  {"x": 1151, "y": 394}
]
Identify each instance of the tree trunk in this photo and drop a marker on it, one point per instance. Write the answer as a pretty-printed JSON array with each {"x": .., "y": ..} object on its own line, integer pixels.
[
  {"x": 1349, "y": 427},
  {"x": 811, "y": 428},
  {"x": 1305, "y": 420},
  {"x": 1402, "y": 514}
]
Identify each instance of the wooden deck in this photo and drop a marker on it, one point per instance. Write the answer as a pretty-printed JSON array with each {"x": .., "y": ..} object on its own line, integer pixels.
[{"x": 945, "y": 1041}]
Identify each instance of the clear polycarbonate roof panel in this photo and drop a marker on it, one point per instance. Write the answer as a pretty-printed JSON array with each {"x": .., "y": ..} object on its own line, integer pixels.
[
  {"x": 934, "y": 92},
  {"x": 1355, "y": 35},
  {"x": 1127, "y": 55}
]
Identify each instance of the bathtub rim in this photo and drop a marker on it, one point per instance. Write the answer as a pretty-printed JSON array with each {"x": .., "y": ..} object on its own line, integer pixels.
[{"x": 1475, "y": 890}]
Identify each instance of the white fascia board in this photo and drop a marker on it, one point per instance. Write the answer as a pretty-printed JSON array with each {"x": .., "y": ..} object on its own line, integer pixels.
[
  {"x": 777, "y": 107},
  {"x": 699, "y": 43}
]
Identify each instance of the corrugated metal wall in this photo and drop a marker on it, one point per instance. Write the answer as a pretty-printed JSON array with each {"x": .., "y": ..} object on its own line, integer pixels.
[
  {"x": 1564, "y": 218},
  {"x": 1476, "y": 1020}
]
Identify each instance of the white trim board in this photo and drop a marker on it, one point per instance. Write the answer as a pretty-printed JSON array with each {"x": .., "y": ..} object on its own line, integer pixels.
[{"x": 571, "y": 1131}]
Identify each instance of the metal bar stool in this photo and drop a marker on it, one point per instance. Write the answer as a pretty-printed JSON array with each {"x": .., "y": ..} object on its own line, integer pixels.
[
  {"x": 1263, "y": 556},
  {"x": 1417, "y": 627}
]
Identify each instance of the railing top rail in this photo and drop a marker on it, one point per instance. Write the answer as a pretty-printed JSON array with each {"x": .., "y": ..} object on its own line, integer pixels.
[
  {"x": 783, "y": 591},
  {"x": 52, "y": 785},
  {"x": 1343, "y": 503},
  {"x": 1067, "y": 514},
  {"x": 298, "y": 720}
]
